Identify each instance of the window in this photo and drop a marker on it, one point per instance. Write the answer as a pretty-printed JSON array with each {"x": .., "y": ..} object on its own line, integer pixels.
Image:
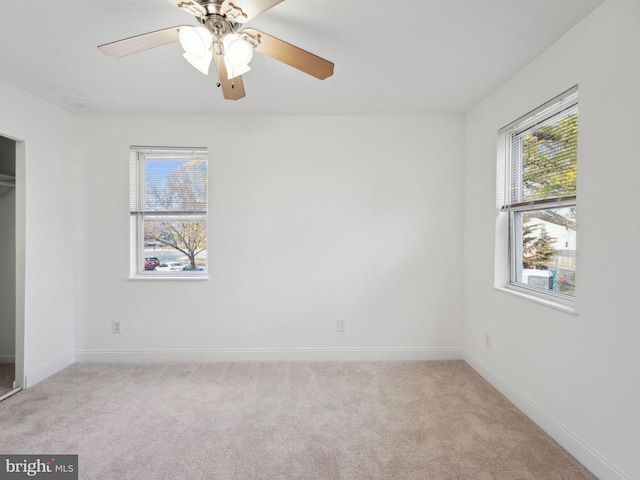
[
  {"x": 537, "y": 171},
  {"x": 168, "y": 211}
]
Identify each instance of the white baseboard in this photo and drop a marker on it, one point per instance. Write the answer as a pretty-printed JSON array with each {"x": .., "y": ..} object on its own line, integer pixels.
[
  {"x": 588, "y": 457},
  {"x": 7, "y": 358},
  {"x": 38, "y": 374},
  {"x": 269, "y": 354}
]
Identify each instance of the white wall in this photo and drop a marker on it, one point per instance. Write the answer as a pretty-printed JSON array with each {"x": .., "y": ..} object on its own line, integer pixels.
[
  {"x": 576, "y": 375},
  {"x": 44, "y": 228},
  {"x": 312, "y": 219}
]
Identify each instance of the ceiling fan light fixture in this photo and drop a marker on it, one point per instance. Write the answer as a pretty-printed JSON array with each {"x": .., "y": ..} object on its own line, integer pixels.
[
  {"x": 197, "y": 42},
  {"x": 237, "y": 51},
  {"x": 232, "y": 49},
  {"x": 201, "y": 63},
  {"x": 235, "y": 71}
]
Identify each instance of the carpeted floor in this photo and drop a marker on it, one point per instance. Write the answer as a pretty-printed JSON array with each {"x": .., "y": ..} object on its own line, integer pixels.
[{"x": 279, "y": 421}]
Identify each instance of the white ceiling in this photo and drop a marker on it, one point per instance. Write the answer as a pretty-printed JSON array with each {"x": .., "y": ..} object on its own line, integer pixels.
[{"x": 412, "y": 57}]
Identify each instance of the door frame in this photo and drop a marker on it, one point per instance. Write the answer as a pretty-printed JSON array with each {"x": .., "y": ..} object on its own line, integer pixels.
[{"x": 21, "y": 259}]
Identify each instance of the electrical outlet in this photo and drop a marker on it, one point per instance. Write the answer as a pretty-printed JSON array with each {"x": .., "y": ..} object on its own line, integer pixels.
[
  {"x": 488, "y": 340},
  {"x": 342, "y": 325},
  {"x": 116, "y": 326}
]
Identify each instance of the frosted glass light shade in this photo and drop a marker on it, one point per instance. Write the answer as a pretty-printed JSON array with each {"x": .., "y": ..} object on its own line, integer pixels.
[
  {"x": 233, "y": 71},
  {"x": 201, "y": 63},
  {"x": 237, "y": 52},
  {"x": 196, "y": 42}
]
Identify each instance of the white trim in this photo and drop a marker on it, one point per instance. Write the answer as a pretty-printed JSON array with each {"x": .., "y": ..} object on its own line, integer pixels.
[
  {"x": 21, "y": 260},
  {"x": 564, "y": 101},
  {"x": 587, "y": 456},
  {"x": 38, "y": 374},
  {"x": 9, "y": 358},
  {"x": 547, "y": 302},
  {"x": 546, "y": 204},
  {"x": 168, "y": 276},
  {"x": 171, "y": 152},
  {"x": 269, "y": 354}
]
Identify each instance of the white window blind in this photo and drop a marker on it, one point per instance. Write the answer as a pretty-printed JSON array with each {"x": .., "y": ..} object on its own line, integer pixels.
[
  {"x": 537, "y": 156},
  {"x": 168, "y": 180}
]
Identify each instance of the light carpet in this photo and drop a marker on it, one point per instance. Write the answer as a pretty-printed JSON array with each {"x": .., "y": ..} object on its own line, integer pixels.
[{"x": 279, "y": 421}]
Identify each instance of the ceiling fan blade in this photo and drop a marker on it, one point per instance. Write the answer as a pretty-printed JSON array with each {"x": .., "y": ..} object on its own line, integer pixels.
[
  {"x": 290, "y": 54},
  {"x": 231, "y": 89},
  {"x": 241, "y": 11},
  {"x": 190, "y": 6},
  {"x": 139, "y": 43}
]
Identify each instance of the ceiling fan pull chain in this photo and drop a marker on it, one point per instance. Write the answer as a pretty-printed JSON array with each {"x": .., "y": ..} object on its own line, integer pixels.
[
  {"x": 217, "y": 57},
  {"x": 233, "y": 79}
]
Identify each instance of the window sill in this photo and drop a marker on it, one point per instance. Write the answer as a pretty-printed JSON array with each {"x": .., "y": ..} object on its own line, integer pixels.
[
  {"x": 520, "y": 293},
  {"x": 168, "y": 277}
]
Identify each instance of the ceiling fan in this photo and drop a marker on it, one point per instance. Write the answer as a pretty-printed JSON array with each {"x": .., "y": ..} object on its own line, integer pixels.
[{"x": 222, "y": 39}]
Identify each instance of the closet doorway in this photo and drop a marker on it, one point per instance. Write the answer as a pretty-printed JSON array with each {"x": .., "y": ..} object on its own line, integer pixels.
[{"x": 10, "y": 351}]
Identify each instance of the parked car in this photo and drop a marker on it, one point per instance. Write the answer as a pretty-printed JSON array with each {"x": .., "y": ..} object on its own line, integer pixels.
[
  {"x": 198, "y": 268},
  {"x": 150, "y": 263},
  {"x": 169, "y": 267}
]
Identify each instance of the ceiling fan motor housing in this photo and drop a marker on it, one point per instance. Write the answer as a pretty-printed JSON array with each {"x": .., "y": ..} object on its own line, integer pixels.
[{"x": 218, "y": 25}]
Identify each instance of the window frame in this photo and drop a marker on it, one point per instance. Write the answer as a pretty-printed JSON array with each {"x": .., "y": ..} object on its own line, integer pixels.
[
  {"x": 512, "y": 207},
  {"x": 139, "y": 214}
]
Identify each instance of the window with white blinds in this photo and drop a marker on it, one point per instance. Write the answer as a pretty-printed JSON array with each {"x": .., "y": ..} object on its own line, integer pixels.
[
  {"x": 168, "y": 207},
  {"x": 538, "y": 154},
  {"x": 537, "y": 172}
]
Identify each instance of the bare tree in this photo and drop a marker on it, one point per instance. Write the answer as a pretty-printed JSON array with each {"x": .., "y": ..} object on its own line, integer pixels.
[{"x": 182, "y": 199}]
